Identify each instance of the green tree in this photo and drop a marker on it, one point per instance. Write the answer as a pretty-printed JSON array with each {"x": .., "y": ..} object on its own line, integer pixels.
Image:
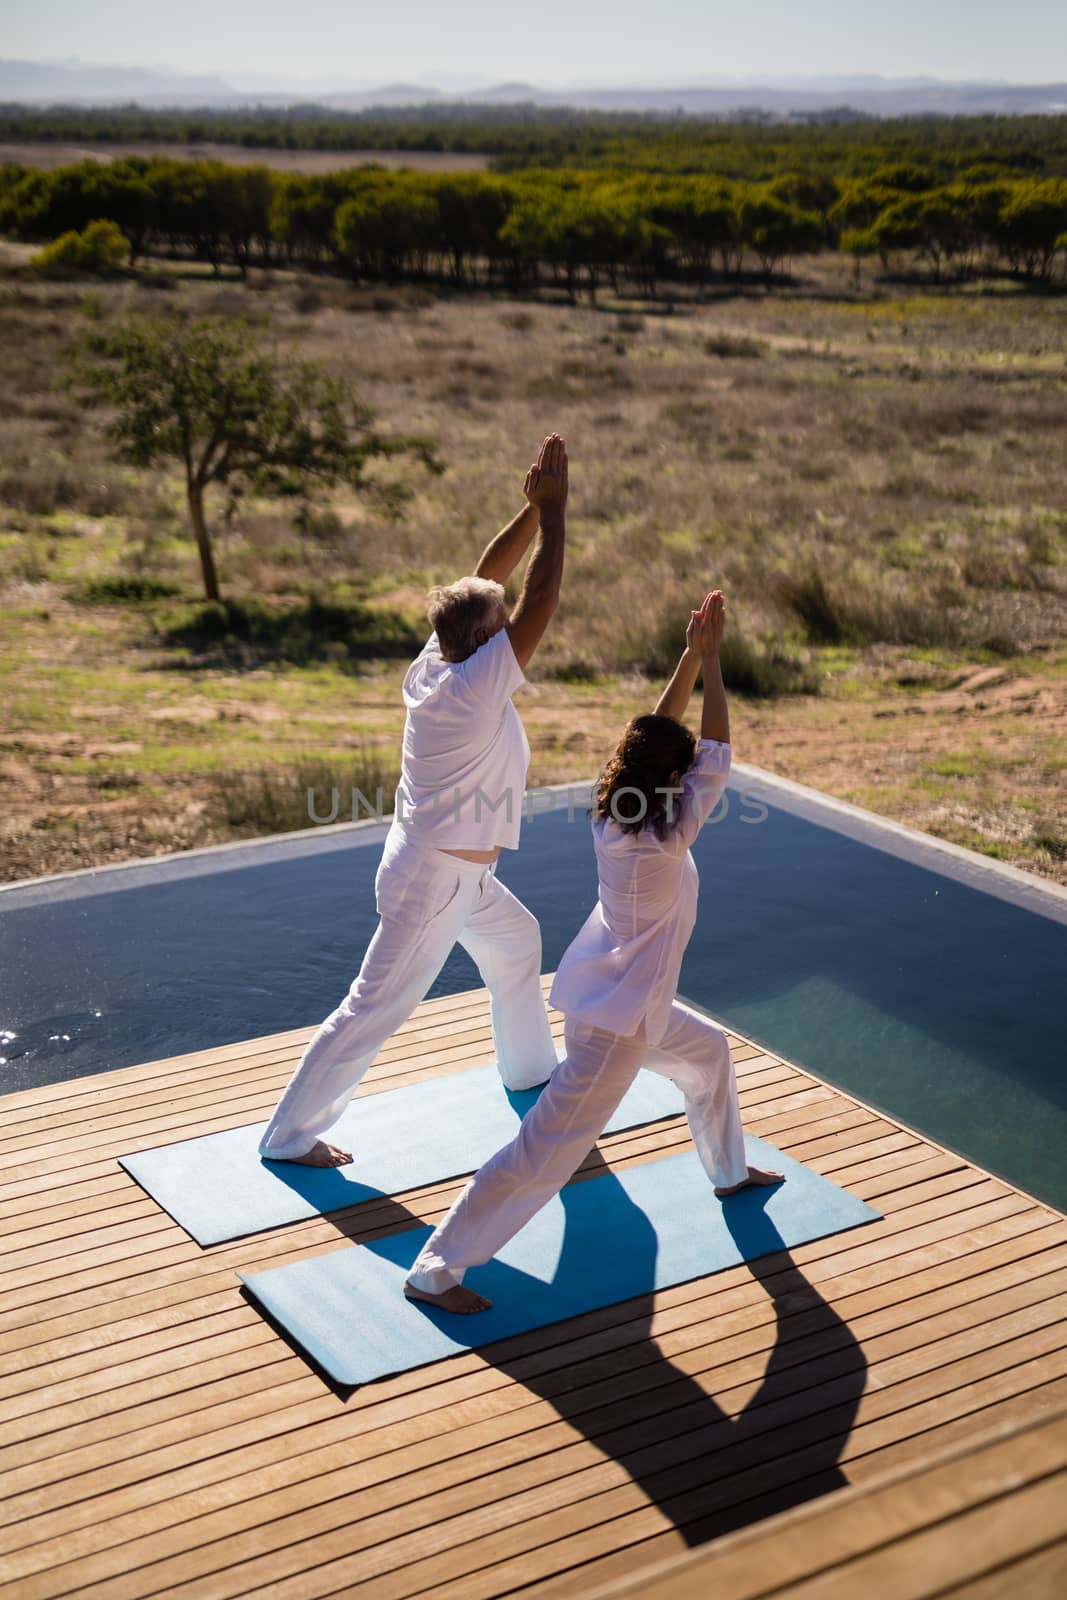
[
  {"x": 391, "y": 225},
  {"x": 774, "y": 230},
  {"x": 1031, "y": 226},
  {"x": 941, "y": 227},
  {"x": 701, "y": 218},
  {"x": 205, "y": 394},
  {"x": 807, "y": 191},
  {"x": 472, "y": 208},
  {"x": 100, "y": 248}
]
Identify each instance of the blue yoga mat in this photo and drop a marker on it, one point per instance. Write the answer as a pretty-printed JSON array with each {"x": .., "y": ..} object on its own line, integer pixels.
[
  {"x": 219, "y": 1187},
  {"x": 601, "y": 1241}
]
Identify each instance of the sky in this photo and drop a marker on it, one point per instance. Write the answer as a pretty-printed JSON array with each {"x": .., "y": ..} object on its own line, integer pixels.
[{"x": 551, "y": 42}]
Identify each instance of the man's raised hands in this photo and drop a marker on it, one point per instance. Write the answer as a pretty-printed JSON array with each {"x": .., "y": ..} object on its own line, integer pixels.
[{"x": 546, "y": 482}]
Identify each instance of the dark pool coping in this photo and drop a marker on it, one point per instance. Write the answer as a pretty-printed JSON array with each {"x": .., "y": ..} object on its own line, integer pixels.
[{"x": 1012, "y": 884}]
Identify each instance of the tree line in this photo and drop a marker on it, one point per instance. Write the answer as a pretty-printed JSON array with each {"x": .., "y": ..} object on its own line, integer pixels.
[
  {"x": 578, "y": 227},
  {"x": 753, "y": 146}
]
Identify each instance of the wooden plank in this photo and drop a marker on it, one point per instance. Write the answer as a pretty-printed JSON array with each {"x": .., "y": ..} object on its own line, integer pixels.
[
  {"x": 156, "y": 1434},
  {"x": 458, "y": 1047},
  {"x": 513, "y": 1541},
  {"x": 805, "y": 1357},
  {"x": 160, "y": 1119},
  {"x": 368, "y": 1504},
  {"x": 37, "y": 1176},
  {"x": 466, "y": 1020},
  {"x": 427, "y": 1015},
  {"x": 1040, "y": 1576},
  {"x": 102, "y": 1304},
  {"x": 820, "y": 1537},
  {"x": 498, "y": 1455},
  {"x": 808, "y": 1150},
  {"x": 599, "y": 1563},
  {"x": 402, "y": 1057},
  {"x": 23, "y": 1299},
  {"x": 57, "y": 1244},
  {"x": 879, "y": 1174},
  {"x": 972, "y": 1544},
  {"x": 130, "y": 1432}
]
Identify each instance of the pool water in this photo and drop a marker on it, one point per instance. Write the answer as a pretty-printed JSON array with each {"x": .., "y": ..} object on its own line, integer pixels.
[{"x": 927, "y": 989}]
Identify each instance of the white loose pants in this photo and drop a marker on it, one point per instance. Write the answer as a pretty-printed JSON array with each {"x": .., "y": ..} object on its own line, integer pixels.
[
  {"x": 427, "y": 902},
  {"x": 559, "y": 1131}
]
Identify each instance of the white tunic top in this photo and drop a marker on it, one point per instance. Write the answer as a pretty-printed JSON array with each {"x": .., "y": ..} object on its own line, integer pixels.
[
  {"x": 623, "y": 966},
  {"x": 465, "y": 752}
]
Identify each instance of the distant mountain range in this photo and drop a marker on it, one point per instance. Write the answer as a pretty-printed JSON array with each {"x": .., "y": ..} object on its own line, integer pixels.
[{"x": 42, "y": 83}]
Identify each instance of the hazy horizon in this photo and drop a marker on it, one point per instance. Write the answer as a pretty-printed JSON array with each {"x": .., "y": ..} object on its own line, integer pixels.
[
  {"x": 459, "y": 83},
  {"x": 475, "y": 43}
]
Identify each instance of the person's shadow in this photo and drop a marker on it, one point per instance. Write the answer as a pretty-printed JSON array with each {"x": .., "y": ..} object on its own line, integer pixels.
[
  {"x": 708, "y": 1452},
  {"x": 750, "y": 1416}
]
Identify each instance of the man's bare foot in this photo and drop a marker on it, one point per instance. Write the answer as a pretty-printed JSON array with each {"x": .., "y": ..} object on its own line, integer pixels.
[
  {"x": 757, "y": 1179},
  {"x": 458, "y": 1299},
  {"x": 320, "y": 1155}
]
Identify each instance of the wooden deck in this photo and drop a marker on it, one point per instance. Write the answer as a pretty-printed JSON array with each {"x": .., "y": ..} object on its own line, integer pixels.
[
  {"x": 157, "y": 1436},
  {"x": 985, "y": 1521}
]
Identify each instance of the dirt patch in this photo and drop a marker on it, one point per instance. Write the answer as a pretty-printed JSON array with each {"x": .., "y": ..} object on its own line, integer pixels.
[
  {"x": 48, "y": 155},
  {"x": 879, "y": 753}
]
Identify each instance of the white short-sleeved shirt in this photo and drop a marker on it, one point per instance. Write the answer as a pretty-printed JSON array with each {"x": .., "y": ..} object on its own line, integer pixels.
[
  {"x": 622, "y": 968},
  {"x": 465, "y": 752}
]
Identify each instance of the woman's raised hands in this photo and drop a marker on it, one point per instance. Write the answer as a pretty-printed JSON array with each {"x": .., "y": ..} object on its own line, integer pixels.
[{"x": 704, "y": 633}]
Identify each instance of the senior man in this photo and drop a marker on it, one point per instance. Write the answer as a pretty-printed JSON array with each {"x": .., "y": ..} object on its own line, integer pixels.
[{"x": 459, "y": 803}]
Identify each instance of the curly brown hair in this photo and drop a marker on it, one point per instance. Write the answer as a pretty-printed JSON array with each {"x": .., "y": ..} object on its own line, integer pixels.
[{"x": 652, "y": 754}]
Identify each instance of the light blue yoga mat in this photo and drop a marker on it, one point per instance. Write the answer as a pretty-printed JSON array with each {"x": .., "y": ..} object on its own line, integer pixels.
[
  {"x": 218, "y": 1187},
  {"x": 601, "y": 1241}
]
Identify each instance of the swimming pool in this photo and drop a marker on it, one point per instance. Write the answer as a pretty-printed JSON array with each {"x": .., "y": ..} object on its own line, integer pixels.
[{"x": 920, "y": 977}]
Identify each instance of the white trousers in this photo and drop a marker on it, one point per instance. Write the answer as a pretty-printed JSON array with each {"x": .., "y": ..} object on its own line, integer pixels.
[
  {"x": 427, "y": 902},
  {"x": 558, "y": 1132}
]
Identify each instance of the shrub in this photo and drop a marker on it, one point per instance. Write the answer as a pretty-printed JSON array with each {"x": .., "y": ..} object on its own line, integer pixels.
[
  {"x": 807, "y": 595},
  {"x": 282, "y": 799},
  {"x": 122, "y": 589},
  {"x": 761, "y": 671},
  {"x": 727, "y": 345},
  {"x": 764, "y": 671},
  {"x": 849, "y": 609},
  {"x": 1047, "y": 836},
  {"x": 101, "y": 249},
  {"x": 42, "y": 484},
  {"x": 575, "y": 669},
  {"x": 244, "y": 632}
]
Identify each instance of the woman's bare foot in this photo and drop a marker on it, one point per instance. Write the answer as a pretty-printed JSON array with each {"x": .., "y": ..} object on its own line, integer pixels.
[
  {"x": 320, "y": 1155},
  {"x": 757, "y": 1178},
  {"x": 464, "y": 1301}
]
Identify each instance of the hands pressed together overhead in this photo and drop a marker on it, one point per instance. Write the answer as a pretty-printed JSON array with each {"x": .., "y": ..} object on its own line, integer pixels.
[
  {"x": 704, "y": 633},
  {"x": 546, "y": 481}
]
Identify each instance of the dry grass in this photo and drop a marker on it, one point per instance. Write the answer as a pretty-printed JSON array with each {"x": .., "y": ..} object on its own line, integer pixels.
[
  {"x": 868, "y": 479},
  {"x": 262, "y": 800}
]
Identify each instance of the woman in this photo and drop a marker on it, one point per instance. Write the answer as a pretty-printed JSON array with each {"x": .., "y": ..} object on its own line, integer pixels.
[{"x": 616, "y": 983}]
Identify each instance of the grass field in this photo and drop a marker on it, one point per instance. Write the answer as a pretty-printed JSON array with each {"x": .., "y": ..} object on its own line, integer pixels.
[{"x": 876, "y": 477}]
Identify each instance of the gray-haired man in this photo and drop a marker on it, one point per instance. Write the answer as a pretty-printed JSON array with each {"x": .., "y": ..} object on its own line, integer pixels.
[{"x": 459, "y": 803}]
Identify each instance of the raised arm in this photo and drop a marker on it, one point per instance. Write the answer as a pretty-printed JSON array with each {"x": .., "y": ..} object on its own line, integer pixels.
[
  {"x": 676, "y": 696},
  {"x": 703, "y": 637},
  {"x": 715, "y": 716},
  {"x": 546, "y": 489},
  {"x": 503, "y": 554}
]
